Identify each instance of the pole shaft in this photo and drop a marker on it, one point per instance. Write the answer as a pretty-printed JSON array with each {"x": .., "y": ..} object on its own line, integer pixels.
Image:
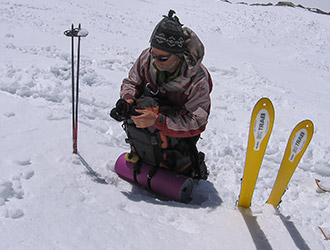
[
  {"x": 78, "y": 66},
  {"x": 74, "y": 116}
]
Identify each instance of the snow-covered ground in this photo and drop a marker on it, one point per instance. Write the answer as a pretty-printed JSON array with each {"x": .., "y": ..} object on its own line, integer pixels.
[{"x": 47, "y": 201}]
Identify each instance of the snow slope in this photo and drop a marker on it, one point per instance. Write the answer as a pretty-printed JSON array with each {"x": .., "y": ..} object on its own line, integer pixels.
[
  {"x": 315, "y": 4},
  {"x": 47, "y": 201}
]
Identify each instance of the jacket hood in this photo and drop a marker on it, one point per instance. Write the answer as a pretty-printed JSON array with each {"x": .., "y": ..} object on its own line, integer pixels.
[{"x": 194, "y": 51}]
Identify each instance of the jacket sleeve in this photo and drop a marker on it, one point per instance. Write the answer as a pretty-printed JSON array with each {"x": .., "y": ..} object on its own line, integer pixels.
[
  {"x": 193, "y": 118},
  {"x": 131, "y": 85}
]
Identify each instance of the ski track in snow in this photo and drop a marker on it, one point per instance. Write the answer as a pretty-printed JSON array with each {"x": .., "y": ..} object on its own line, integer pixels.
[{"x": 251, "y": 52}]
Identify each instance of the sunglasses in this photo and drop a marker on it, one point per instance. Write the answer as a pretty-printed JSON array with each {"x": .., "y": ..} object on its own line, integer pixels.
[{"x": 160, "y": 58}]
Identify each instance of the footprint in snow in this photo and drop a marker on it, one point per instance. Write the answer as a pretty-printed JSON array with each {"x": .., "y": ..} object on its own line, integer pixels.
[
  {"x": 13, "y": 213},
  {"x": 23, "y": 161},
  {"x": 13, "y": 188},
  {"x": 9, "y": 114}
]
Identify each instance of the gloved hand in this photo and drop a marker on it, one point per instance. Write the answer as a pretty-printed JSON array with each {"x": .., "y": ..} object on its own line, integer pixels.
[{"x": 123, "y": 110}]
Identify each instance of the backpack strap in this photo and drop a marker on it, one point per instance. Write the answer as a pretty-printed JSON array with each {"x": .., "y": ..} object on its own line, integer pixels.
[
  {"x": 191, "y": 141},
  {"x": 151, "y": 174},
  {"x": 156, "y": 145},
  {"x": 137, "y": 169}
]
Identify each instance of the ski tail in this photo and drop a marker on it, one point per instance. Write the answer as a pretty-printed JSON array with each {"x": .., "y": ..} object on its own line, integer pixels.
[
  {"x": 261, "y": 125},
  {"x": 295, "y": 149}
]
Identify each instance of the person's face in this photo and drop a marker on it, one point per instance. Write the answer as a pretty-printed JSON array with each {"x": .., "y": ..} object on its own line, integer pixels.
[{"x": 164, "y": 60}]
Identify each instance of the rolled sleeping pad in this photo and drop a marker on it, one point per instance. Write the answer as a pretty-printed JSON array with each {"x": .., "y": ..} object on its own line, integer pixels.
[{"x": 169, "y": 184}]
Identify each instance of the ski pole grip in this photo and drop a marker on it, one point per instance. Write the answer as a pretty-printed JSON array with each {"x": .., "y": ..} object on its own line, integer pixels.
[{"x": 76, "y": 32}]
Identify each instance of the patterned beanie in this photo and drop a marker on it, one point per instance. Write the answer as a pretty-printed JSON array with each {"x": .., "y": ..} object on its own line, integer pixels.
[{"x": 168, "y": 35}]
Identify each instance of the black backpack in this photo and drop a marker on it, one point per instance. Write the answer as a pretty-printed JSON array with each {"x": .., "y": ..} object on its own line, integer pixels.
[{"x": 154, "y": 148}]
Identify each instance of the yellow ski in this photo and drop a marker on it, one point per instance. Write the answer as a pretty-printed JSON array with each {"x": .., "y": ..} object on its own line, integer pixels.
[
  {"x": 261, "y": 125},
  {"x": 297, "y": 144}
]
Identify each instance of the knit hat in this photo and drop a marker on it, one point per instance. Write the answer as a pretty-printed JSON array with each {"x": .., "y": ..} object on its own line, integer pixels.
[{"x": 168, "y": 35}]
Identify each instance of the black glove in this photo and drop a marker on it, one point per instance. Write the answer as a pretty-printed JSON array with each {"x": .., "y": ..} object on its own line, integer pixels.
[
  {"x": 123, "y": 107},
  {"x": 123, "y": 110}
]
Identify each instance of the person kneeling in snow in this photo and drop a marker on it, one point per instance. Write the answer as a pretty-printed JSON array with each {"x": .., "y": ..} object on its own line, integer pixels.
[{"x": 165, "y": 101}]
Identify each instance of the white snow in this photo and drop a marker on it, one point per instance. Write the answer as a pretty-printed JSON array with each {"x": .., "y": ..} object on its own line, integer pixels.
[{"x": 47, "y": 201}]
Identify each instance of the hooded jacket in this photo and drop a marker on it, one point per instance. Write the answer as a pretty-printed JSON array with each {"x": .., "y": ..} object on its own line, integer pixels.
[{"x": 187, "y": 96}]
